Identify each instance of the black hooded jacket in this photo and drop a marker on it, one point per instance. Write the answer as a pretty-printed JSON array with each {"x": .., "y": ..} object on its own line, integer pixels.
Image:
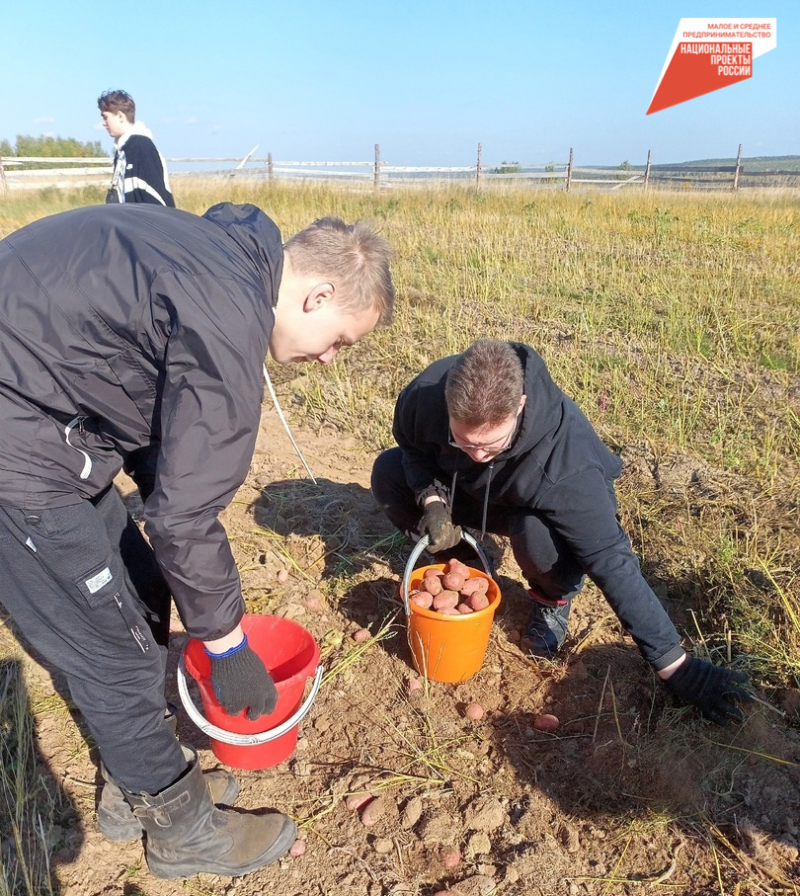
[
  {"x": 557, "y": 467},
  {"x": 131, "y": 326}
]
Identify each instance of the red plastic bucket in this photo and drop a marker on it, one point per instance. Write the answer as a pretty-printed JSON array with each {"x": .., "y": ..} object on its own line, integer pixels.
[{"x": 291, "y": 656}]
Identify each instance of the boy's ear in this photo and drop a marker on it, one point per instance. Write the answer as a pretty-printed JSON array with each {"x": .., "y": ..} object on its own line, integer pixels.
[{"x": 318, "y": 295}]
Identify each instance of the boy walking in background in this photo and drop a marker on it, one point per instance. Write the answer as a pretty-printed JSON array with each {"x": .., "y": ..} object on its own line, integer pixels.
[{"x": 140, "y": 173}]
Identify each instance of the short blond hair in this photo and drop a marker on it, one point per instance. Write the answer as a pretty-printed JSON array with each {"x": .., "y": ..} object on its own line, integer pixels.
[
  {"x": 485, "y": 384},
  {"x": 353, "y": 257}
]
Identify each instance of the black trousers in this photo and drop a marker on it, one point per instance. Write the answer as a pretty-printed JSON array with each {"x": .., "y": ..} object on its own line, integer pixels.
[
  {"x": 83, "y": 588},
  {"x": 547, "y": 563}
]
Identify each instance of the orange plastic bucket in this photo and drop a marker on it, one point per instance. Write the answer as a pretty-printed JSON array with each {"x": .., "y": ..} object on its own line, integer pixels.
[
  {"x": 291, "y": 656},
  {"x": 447, "y": 648}
]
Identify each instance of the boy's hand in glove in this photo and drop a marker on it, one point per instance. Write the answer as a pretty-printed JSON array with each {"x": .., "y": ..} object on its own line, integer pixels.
[
  {"x": 436, "y": 523},
  {"x": 715, "y": 691},
  {"x": 241, "y": 680}
]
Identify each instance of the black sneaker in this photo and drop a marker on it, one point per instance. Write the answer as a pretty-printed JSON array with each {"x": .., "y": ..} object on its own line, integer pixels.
[{"x": 547, "y": 627}]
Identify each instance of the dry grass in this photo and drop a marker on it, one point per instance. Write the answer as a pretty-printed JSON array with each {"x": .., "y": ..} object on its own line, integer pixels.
[
  {"x": 671, "y": 319},
  {"x": 26, "y": 807}
]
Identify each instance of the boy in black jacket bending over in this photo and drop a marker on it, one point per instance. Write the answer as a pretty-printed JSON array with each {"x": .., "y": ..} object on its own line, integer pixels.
[
  {"x": 488, "y": 440},
  {"x": 145, "y": 330}
]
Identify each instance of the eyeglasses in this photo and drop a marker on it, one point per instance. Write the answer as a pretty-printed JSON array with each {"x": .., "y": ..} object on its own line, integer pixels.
[{"x": 496, "y": 447}]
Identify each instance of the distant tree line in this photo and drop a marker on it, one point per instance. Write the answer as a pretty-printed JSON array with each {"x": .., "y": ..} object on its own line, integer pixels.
[
  {"x": 506, "y": 168},
  {"x": 51, "y": 147}
]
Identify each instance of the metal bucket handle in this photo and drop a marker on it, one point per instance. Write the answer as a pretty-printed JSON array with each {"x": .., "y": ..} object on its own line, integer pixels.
[
  {"x": 232, "y": 737},
  {"x": 420, "y": 546}
]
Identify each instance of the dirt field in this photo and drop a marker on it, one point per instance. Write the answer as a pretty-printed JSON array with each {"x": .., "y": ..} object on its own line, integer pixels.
[{"x": 632, "y": 794}]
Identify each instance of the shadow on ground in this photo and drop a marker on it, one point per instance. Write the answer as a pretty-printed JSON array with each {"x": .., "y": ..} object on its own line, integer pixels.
[
  {"x": 40, "y": 827},
  {"x": 344, "y": 515}
]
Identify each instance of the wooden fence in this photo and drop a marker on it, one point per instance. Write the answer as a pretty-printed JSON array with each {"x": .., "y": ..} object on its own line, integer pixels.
[{"x": 20, "y": 173}]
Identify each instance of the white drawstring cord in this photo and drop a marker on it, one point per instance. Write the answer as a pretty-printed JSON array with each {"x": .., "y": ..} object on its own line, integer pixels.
[{"x": 286, "y": 425}]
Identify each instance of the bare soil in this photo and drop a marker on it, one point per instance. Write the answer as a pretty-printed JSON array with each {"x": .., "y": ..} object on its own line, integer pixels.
[{"x": 631, "y": 794}]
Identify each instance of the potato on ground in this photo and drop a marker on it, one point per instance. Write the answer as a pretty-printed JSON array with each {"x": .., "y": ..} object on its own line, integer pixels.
[
  {"x": 297, "y": 849},
  {"x": 474, "y": 712},
  {"x": 451, "y": 857},
  {"x": 356, "y": 800},
  {"x": 546, "y": 722},
  {"x": 373, "y": 811}
]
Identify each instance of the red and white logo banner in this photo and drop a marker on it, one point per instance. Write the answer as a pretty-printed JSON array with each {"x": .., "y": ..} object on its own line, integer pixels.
[{"x": 708, "y": 54}]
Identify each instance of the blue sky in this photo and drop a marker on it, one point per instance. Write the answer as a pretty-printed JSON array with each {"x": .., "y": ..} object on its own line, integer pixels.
[{"x": 314, "y": 80}]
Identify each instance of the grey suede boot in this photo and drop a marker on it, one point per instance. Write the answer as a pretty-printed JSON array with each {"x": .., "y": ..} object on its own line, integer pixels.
[
  {"x": 187, "y": 834},
  {"x": 115, "y": 818}
]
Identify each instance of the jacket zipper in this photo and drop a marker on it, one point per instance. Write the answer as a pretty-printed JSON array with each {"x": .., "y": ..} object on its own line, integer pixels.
[{"x": 87, "y": 465}]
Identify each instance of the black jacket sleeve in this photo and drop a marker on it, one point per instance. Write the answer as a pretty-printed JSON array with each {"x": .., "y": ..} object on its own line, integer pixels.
[
  {"x": 582, "y": 510},
  {"x": 411, "y": 431},
  {"x": 210, "y": 414}
]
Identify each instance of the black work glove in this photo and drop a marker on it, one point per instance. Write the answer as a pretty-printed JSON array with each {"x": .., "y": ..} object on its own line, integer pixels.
[
  {"x": 438, "y": 526},
  {"x": 241, "y": 680},
  {"x": 715, "y": 691}
]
